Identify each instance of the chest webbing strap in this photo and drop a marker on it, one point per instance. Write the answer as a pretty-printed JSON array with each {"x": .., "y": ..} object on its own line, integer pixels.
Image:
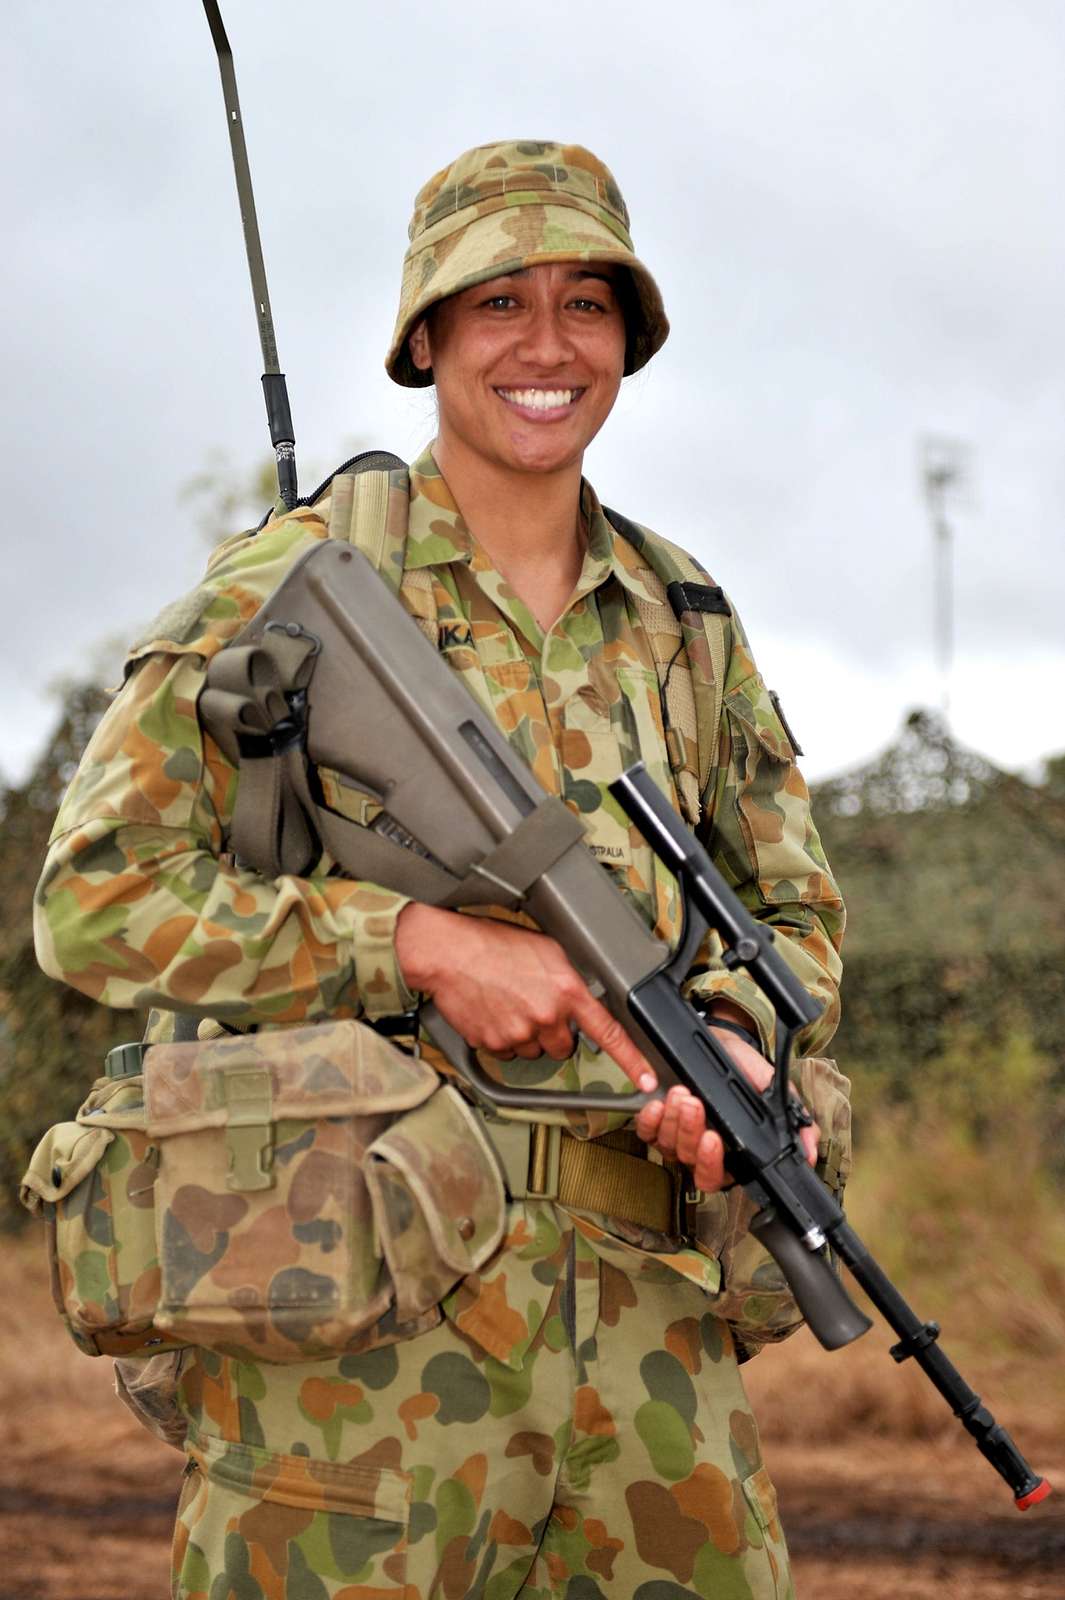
[
  {"x": 368, "y": 509},
  {"x": 688, "y": 632}
]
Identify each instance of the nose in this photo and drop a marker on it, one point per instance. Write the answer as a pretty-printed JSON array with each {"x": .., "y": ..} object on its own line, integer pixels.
[{"x": 545, "y": 341}]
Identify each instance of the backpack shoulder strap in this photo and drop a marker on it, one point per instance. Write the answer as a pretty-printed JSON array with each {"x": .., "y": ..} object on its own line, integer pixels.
[
  {"x": 695, "y": 615},
  {"x": 366, "y": 503}
]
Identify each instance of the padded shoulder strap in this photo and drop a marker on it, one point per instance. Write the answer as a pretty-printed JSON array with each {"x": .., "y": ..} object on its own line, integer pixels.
[
  {"x": 364, "y": 511},
  {"x": 697, "y": 615},
  {"x": 369, "y": 501}
]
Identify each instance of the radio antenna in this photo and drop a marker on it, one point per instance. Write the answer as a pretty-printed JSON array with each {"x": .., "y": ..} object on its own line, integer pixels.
[
  {"x": 274, "y": 387},
  {"x": 945, "y": 474}
]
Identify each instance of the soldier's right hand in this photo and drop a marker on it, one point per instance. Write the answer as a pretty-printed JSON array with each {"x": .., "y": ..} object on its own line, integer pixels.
[{"x": 507, "y": 990}]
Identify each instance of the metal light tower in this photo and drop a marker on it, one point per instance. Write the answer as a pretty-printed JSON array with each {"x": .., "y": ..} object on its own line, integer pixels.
[{"x": 944, "y": 467}]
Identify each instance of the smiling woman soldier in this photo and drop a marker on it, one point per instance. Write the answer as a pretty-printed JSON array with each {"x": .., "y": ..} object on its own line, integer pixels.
[{"x": 569, "y": 1420}]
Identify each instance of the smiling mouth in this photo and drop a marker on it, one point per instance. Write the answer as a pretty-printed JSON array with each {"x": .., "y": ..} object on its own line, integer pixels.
[{"x": 541, "y": 402}]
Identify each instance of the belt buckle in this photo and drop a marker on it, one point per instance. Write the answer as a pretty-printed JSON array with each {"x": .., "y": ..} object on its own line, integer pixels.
[
  {"x": 400, "y": 1029},
  {"x": 545, "y": 1154},
  {"x": 686, "y": 1202}
]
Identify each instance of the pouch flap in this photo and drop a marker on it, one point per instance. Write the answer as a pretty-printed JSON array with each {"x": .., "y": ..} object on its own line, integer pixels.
[
  {"x": 334, "y": 1069},
  {"x": 66, "y": 1155},
  {"x": 438, "y": 1195},
  {"x": 762, "y": 1499},
  {"x": 114, "y": 1103}
]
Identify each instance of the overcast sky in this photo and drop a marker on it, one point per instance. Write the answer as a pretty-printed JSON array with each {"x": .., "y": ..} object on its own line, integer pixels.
[{"x": 854, "y": 212}]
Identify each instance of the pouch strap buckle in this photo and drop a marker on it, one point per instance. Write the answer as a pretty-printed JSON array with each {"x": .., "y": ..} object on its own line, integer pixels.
[
  {"x": 545, "y": 1156},
  {"x": 249, "y": 1128},
  {"x": 529, "y": 1154}
]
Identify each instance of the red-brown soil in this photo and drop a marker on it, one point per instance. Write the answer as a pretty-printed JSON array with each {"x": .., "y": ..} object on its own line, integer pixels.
[{"x": 882, "y": 1496}]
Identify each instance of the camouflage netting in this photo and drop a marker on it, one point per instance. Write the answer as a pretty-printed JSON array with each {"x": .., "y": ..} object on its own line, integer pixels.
[{"x": 954, "y": 875}]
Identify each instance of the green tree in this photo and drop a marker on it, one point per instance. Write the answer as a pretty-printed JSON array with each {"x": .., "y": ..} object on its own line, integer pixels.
[{"x": 52, "y": 1039}]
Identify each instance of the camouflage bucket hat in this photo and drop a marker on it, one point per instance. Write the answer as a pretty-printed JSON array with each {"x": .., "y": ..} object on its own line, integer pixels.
[{"x": 519, "y": 204}]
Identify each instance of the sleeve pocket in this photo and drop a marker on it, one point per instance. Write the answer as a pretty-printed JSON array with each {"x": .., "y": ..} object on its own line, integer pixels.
[
  {"x": 771, "y": 800},
  {"x": 827, "y": 1093},
  {"x": 751, "y": 703}
]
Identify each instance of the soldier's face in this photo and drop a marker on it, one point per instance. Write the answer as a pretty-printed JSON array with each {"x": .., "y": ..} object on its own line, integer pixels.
[{"x": 526, "y": 366}]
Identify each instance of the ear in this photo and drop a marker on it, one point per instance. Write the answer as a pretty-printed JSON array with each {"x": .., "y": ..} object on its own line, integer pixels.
[{"x": 418, "y": 345}]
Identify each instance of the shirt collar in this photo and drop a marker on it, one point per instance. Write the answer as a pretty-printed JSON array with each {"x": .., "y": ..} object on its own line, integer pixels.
[
  {"x": 613, "y": 554},
  {"x": 437, "y": 534}
]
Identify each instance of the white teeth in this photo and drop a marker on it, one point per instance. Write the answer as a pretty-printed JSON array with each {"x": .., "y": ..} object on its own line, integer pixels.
[{"x": 539, "y": 399}]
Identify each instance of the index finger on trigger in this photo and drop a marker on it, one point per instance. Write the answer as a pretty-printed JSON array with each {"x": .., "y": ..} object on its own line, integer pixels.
[{"x": 596, "y": 1022}]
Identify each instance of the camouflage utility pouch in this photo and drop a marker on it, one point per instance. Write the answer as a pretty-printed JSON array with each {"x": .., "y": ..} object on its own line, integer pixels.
[
  {"x": 93, "y": 1183},
  {"x": 316, "y": 1192}
]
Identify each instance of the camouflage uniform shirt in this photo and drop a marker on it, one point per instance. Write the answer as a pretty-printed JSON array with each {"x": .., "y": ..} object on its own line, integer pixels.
[{"x": 139, "y": 905}]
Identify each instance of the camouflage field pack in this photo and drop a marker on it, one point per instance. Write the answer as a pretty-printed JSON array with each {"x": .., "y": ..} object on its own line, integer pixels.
[{"x": 279, "y": 1196}]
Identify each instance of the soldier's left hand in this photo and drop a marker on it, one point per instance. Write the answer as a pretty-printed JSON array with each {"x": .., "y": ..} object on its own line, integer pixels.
[{"x": 676, "y": 1124}]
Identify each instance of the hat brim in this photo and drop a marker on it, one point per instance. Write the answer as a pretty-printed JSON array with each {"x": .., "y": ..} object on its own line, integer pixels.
[{"x": 509, "y": 239}]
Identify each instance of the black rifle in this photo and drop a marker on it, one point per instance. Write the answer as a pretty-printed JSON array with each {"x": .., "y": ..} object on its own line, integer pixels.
[
  {"x": 464, "y": 821},
  {"x": 798, "y": 1213}
]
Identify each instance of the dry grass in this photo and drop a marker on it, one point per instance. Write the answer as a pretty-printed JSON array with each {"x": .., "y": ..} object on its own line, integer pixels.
[
  {"x": 959, "y": 1202},
  {"x": 41, "y": 1371},
  {"x": 800, "y": 1391}
]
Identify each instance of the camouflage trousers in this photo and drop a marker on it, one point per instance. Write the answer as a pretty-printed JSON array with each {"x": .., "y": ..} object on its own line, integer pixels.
[{"x": 617, "y": 1458}]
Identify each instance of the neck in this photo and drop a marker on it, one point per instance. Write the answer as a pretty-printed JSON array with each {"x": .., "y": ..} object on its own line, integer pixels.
[{"x": 528, "y": 523}]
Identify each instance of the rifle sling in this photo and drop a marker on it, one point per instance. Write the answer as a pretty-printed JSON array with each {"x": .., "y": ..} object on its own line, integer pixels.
[{"x": 501, "y": 878}]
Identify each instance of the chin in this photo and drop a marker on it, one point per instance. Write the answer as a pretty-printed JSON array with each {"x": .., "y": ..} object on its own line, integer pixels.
[
  {"x": 543, "y": 464},
  {"x": 541, "y": 455}
]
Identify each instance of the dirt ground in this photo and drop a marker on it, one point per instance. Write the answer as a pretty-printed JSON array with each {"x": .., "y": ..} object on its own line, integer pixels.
[{"x": 882, "y": 1496}]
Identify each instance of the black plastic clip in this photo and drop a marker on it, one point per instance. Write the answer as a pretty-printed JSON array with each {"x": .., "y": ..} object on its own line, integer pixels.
[
  {"x": 400, "y": 1029},
  {"x": 290, "y": 733},
  {"x": 287, "y": 733},
  {"x": 914, "y": 1343},
  {"x": 700, "y": 597},
  {"x": 799, "y": 1115}
]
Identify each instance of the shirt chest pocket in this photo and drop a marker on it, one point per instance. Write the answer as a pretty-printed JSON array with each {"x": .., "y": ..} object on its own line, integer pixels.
[
  {"x": 492, "y": 668},
  {"x": 600, "y": 738}
]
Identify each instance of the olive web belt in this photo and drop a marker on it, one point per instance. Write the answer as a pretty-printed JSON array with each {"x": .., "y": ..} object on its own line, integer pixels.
[{"x": 542, "y": 1161}]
